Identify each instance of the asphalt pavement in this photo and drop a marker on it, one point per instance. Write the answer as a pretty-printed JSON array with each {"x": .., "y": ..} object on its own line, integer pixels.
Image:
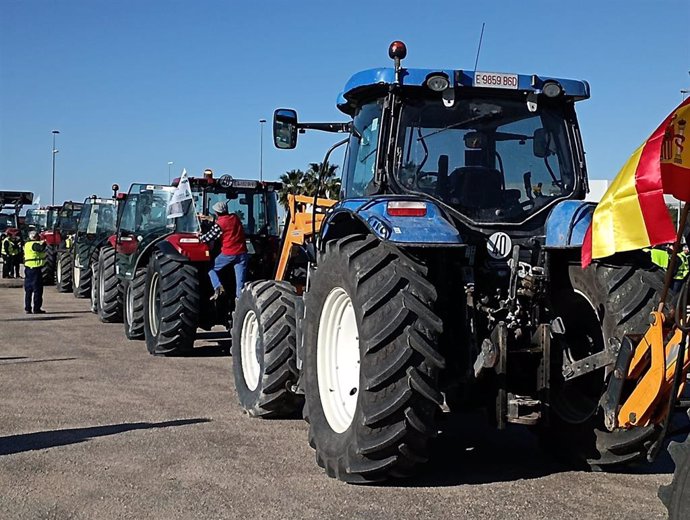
[{"x": 93, "y": 427}]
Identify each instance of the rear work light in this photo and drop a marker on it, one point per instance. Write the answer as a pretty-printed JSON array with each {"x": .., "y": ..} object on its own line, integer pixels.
[{"x": 406, "y": 208}]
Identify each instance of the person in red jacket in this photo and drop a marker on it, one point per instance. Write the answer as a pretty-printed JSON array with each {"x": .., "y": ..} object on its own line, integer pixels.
[{"x": 227, "y": 228}]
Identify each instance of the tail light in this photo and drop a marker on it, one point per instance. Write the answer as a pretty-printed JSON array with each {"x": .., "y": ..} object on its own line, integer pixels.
[{"x": 406, "y": 208}]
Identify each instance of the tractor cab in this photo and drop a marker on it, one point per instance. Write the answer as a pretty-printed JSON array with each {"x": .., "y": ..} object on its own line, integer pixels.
[
  {"x": 484, "y": 150},
  {"x": 40, "y": 219},
  {"x": 255, "y": 203},
  {"x": 11, "y": 203},
  {"x": 64, "y": 222},
  {"x": 142, "y": 220}
]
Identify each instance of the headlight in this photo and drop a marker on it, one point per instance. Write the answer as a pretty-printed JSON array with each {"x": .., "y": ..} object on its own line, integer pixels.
[
  {"x": 552, "y": 89},
  {"x": 437, "y": 83}
]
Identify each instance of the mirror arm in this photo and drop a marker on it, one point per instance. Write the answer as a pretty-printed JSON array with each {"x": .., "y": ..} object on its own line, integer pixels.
[{"x": 326, "y": 127}]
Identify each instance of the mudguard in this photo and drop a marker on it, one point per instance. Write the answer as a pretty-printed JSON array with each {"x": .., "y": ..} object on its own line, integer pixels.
[
  {"x": 431, "y": 230},
  {"x": 568, "y": 222}
]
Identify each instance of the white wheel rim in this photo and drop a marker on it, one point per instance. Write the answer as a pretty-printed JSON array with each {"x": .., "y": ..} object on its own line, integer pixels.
[
  {"x": 337, "y": 360},
  {"x": 153, "y": 311},
  {"x": 94, "y": 293},
  {"x": 249, "y": 339},
  {"x": 101, "y": 286},
  {"x": 58, "y": 271},
  {"x": 76, "y": 275},
  {"x": 129, "y": 305}
]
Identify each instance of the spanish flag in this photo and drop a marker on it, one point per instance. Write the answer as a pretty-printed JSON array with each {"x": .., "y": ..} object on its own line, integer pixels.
[{"x": 632, "y": 213}]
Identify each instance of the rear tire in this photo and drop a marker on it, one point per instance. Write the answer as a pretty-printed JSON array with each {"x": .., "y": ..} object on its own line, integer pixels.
[
  {"x": 81, "y": 281},
  {"x": 676, "y": 496},
  {"x": 172, "y": 306},
  {"x": 63, "y": 271},
  {"x": 48, "y": 271},
  {"x": 603, "y": 303},
  {"x": 133, "y": 315},
  {"x": 264, "y": 338},
  {"x": 371, "y": 363},
  {"x": 108, "y": 288}
]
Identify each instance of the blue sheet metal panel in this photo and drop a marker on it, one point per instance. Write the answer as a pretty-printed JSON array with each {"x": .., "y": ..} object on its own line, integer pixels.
[
  {"x": 432, "y": 229},
  {"x": 568, "y": 222},
  {"x": 417, "y": 77}
]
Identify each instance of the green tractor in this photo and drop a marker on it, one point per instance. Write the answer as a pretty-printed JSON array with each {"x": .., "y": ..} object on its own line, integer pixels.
[
  {"x": 163, "y": 265},
  {"x": 92, "y": 256}
]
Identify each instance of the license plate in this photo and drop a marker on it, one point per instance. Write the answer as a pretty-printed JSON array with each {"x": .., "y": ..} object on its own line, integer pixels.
[{"x": 495, "y": 80}]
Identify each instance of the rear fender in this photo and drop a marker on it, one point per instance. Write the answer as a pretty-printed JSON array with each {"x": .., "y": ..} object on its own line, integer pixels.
[
  {"x": 567, "y": 224},
  {"x": 184, "y": 247},
  {"x": 371, "y": 215}
]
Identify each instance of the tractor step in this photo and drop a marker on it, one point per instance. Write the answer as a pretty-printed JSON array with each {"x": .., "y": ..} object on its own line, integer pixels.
[{"x": 523, "y": 410}]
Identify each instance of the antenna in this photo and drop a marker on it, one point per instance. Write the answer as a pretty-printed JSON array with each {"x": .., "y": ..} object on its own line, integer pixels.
[{"x": 479, "y": 47}]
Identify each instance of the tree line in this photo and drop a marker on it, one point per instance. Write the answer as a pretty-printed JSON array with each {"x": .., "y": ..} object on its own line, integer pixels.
[{"x": 298, "y": 182}]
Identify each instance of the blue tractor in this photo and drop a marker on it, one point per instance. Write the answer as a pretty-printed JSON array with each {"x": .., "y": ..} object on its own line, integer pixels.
[{"x": 448, "y": 278}]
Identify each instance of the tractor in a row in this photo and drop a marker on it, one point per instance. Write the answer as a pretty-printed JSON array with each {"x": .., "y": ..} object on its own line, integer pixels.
[
  {"x": 91, "y": 259},
  {"x": 163, "y": 266},
  {"x": 11, "y": 204},
  {"x": 59, "y": 236},
  {"x": 448, "y": 277}
]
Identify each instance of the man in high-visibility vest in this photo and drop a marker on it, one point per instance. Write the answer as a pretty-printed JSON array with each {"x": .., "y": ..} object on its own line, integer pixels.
[
  {"x": 682, "y": 269},
  {"x": 10, "y": 253},
  {"x": 34, "y": 260},
  {"x": 14, "y": 253}
]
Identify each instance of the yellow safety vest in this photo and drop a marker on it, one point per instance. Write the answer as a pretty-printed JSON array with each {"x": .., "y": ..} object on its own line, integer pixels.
[
  {"x": 659, "y": 257},
  {"x": 683, "y": 267},
  {"x": 12, "y": 248},
  {"x": 33, "y": 258}
]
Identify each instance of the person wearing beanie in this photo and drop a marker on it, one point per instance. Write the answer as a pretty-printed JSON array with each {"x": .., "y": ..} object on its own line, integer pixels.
[{"x": 228, "y": 229}]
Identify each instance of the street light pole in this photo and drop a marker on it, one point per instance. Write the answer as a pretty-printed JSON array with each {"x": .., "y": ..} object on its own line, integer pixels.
[
  {"x": 170, "y": 163},
  {"x": 55, "y": 132},
  {"x": 261, "y": 150}
]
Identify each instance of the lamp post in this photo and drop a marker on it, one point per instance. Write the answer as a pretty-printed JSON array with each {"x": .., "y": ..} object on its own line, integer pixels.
[
  {"x": 170, "y": 163},
  {"x": 55, "y": 151},
  {"x": 261, "y": 150}
]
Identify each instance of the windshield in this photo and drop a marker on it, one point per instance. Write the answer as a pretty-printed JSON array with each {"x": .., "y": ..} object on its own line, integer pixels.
[
  {"x": 6, "y": 221},
  {"x": 68, "y": 217},
  {"x": 39, "y": 219},
  {"x": 491, "y": 159},
  {"x": 145, "y": 212},
  {"x": 98, "y": 217},
  {"x": 257, "y": 210}
]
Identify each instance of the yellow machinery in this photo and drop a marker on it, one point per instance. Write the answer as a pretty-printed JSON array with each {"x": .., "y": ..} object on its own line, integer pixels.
[{"x": 302, "y": 224}]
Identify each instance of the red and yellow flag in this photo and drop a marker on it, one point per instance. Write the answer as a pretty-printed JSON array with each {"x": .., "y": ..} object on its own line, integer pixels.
[{"x": 632, "y": 213}]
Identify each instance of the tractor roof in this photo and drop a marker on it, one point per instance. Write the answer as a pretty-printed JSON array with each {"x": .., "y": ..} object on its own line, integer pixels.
[
  {"x": 227, "y": 182},
  {"x": 370, "y": 81}
]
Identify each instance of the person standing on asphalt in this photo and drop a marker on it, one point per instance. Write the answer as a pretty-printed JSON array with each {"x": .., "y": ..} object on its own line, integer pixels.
[
  {"x": 227, "y": 228},
  {"x": 5, "y": 258},
  {"x": 34, "y": 260},
  {"x": 10, "y": 256},
  {"x": 17, "y": 258}
]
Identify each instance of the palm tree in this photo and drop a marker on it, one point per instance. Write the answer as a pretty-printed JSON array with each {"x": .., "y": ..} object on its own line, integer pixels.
[
  {"x": 293, "y": 183},
  {"x": 298, "y": 182}
]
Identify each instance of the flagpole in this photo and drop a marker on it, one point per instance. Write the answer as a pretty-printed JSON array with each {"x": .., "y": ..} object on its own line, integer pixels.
[{"x": 674, "y": 256}]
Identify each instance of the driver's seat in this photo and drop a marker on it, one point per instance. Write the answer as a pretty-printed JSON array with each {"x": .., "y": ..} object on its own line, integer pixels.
[{"x": 476, "y": 187}]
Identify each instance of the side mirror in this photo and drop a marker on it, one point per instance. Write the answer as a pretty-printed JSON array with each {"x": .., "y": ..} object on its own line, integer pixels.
[
  {"x": 285, "y": 128},
  {"x": 540, "y": 143}
]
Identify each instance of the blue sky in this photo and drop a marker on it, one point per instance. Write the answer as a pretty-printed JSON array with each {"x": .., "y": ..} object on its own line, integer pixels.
[{"x": 133, "y": 84}]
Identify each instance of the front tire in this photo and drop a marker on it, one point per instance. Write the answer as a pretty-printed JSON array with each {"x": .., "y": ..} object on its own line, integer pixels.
[
  {"x": 133, "y": 315},
  {"x": 81, "y": 282},
  {"x": 49, "y": 272},
  {"x": 603, "y": 303},
  {"x": 264, "y": 350},
  {"x": 172, "y": 306},
  {"x": 371, "y": 364},
  {"x": 108, "y": 288},
  {"x": 63, "y": 271}
]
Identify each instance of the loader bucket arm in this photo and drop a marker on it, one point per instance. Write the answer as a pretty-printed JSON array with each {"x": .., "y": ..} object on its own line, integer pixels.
[
  {"x": 298, "y": 229},
  {"x": 652, "y": 368}
]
